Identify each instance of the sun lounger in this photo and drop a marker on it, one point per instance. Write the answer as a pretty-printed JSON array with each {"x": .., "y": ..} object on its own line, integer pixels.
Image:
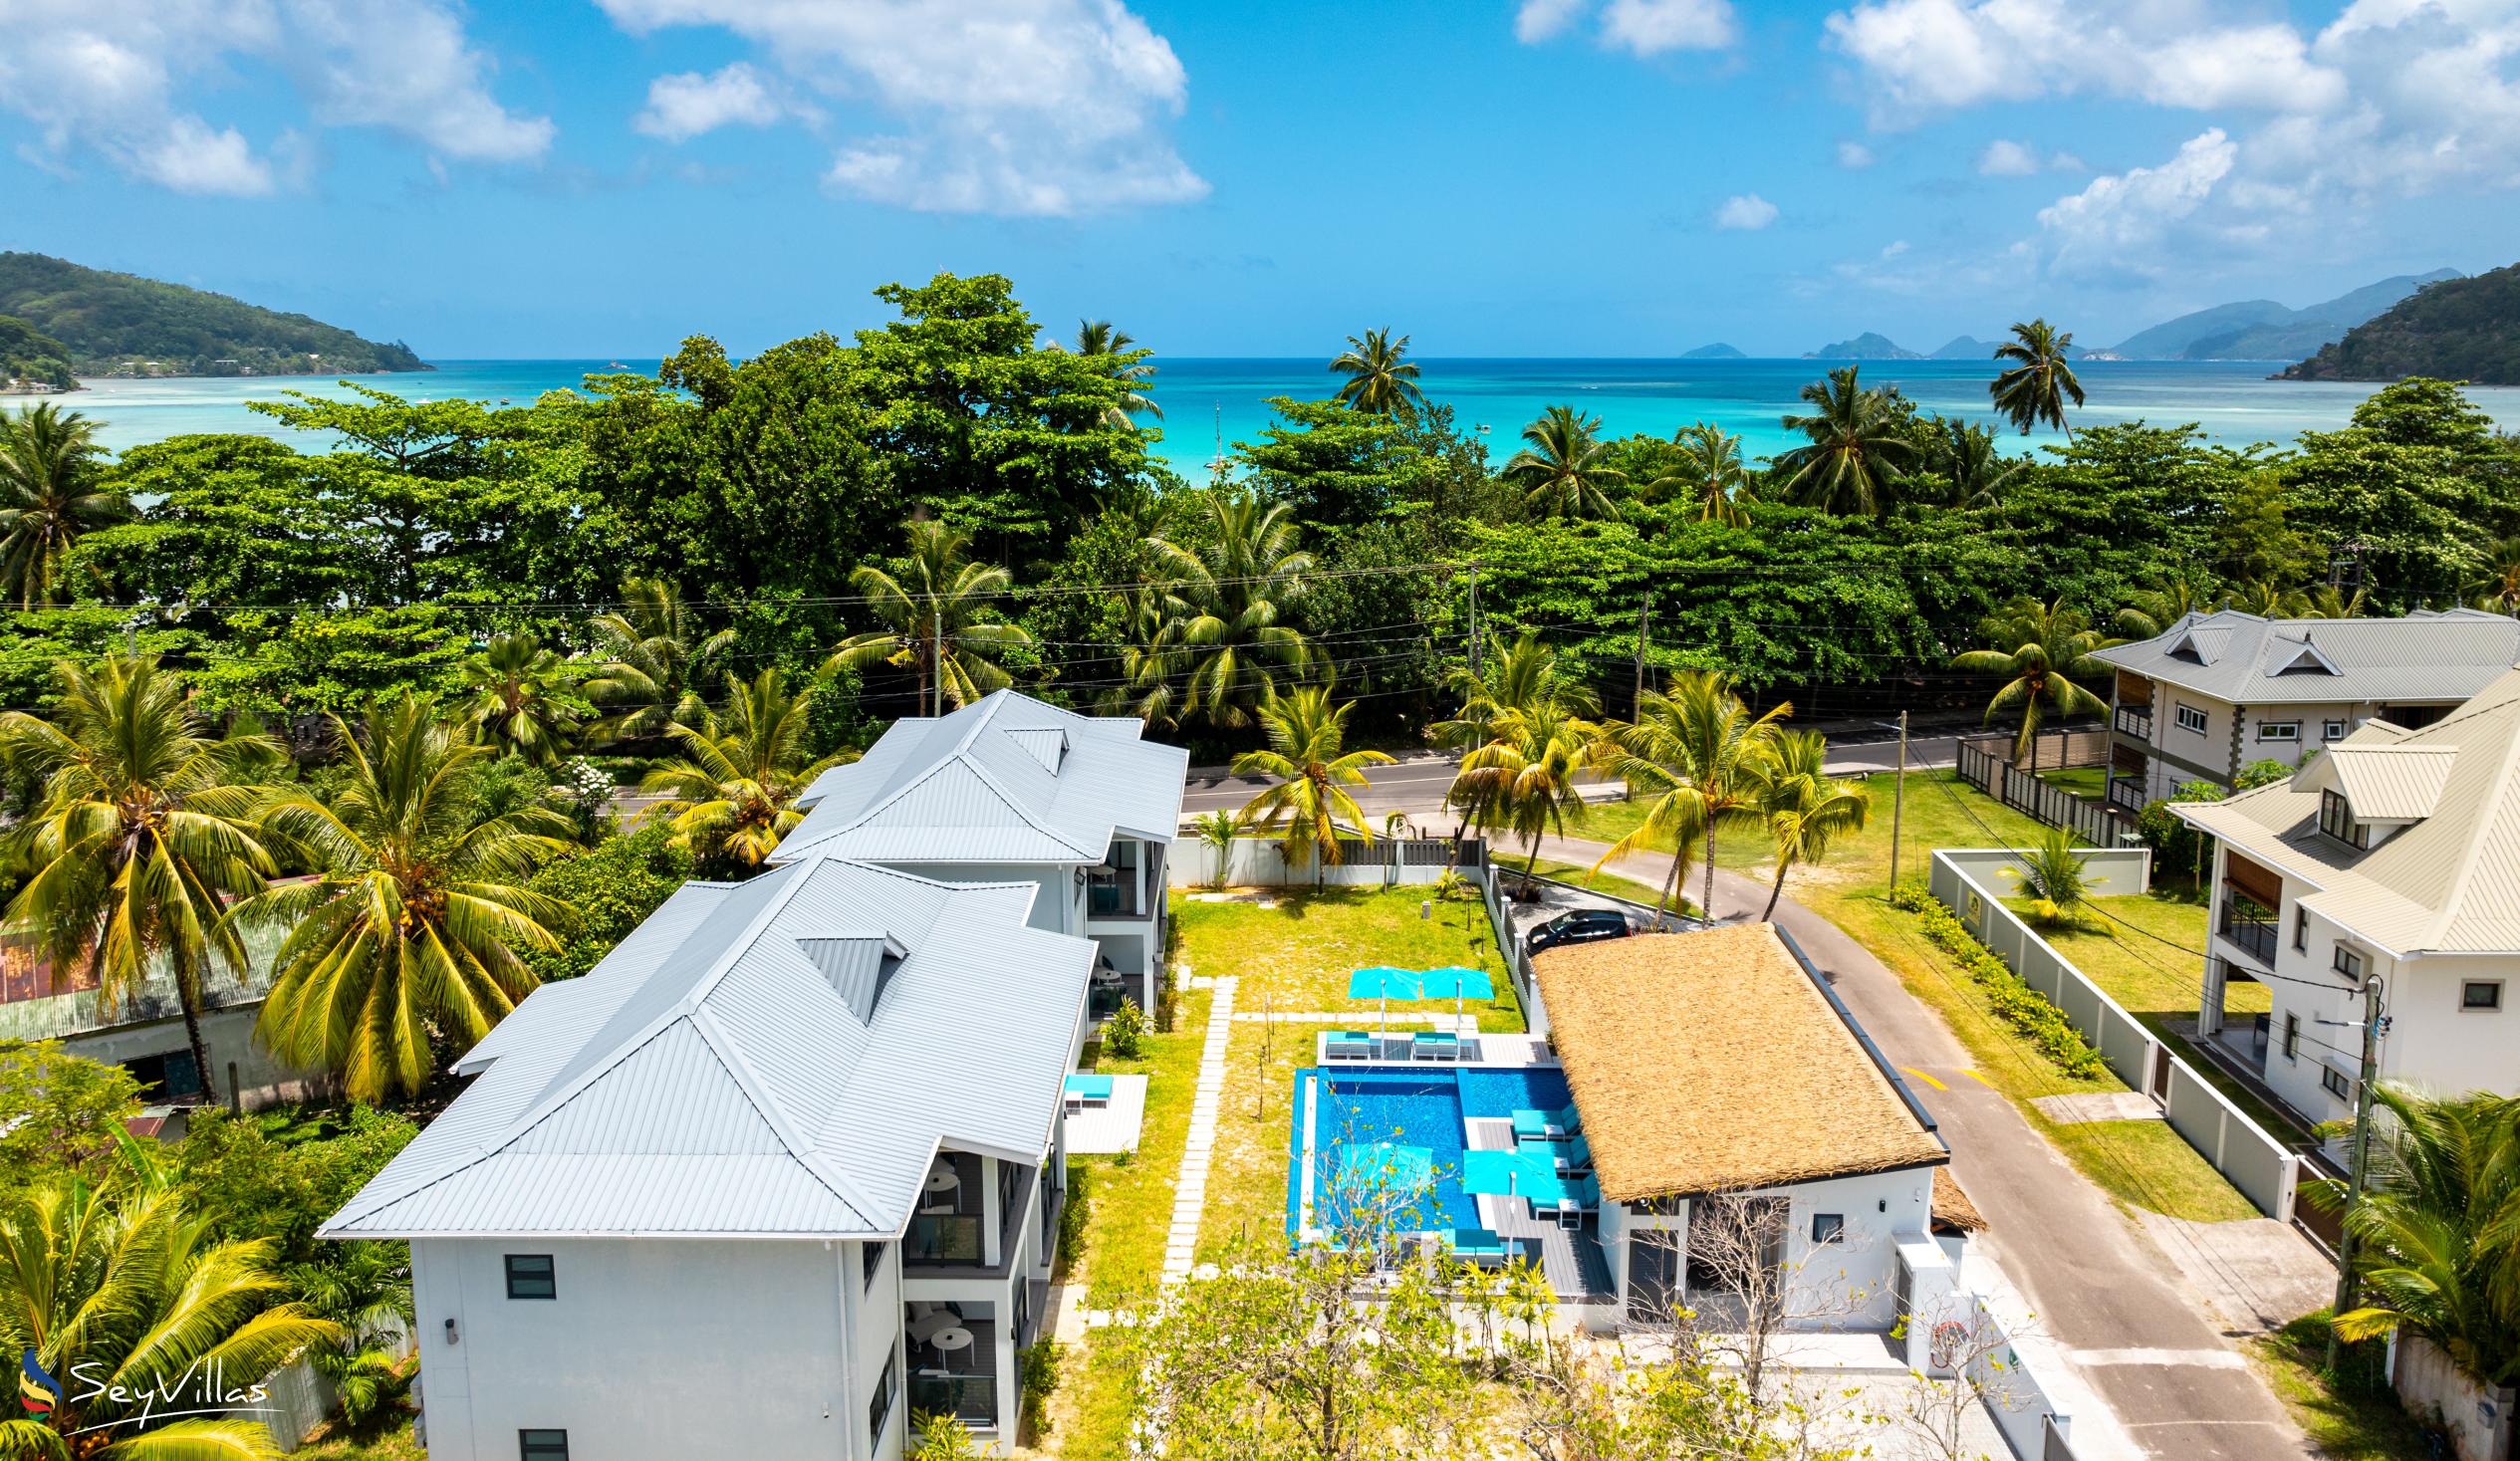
[
  {"x": 1435, "y": 1045},
  {"x": 1570, "y": 1158},
  {"x": 1557, "y": 1126},
  {"x": 1083, "y": 1092},
  {"x": 1348, "y": 1044},
  {"x": 1479, "y": 1246}
]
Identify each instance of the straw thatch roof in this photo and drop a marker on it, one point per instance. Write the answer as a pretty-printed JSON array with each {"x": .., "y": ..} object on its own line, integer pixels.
[
  {"x": 1952, "y": 1206},
  {"x": 1710, "y": 1062}
]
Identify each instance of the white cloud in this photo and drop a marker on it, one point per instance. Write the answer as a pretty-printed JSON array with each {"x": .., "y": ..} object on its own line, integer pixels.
[
  {"x": 1539, "y": 20},
  {"x": 2005, "y": 158},
  {"x": 1645, "y": 27},
  {"x": 1854, "y": 155},
  {"x": 684, "y": 105},
  {"x": 2117, "y": 222},
  {"x": 1747, "y": 211},
  {"x": 117, "y": 80},
  {"x": 1025, "y": 106}
]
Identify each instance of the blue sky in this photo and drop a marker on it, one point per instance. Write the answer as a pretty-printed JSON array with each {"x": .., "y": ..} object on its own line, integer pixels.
[{"x": 1524, "y": 178}]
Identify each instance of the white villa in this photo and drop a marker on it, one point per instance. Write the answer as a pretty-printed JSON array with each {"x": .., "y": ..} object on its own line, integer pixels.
[
  {"x": 2221, "y": 691},
  {"x": 2395, "y": 854},
  {"x": 1010, "y": 789}
]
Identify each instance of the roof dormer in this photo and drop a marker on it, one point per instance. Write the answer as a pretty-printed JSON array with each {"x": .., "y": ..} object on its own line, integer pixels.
[
  {"x": 856, "y": 965},
  {"x": 1047, "y": 745},
  {"x": 2199, "y": 645},
  {"x": 2302, "y": 658}
]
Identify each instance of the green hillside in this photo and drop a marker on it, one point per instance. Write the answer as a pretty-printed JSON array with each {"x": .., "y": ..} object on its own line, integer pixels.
[
  {"x": 2456, "y": 329},
  {"x": 28, "y": 354},
  {"x": 121, "y": 324}
]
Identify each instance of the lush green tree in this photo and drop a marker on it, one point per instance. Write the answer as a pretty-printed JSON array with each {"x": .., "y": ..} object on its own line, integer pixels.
[
  {"x": 2497, "y": 584},
  {"x": 1854, "y": 450},
  {"x": 731, "y": 795},
  {"x": 656, "y": 656},
  {"x": 2408, "y": 495},
  {"x": 412, "y": 935},
  {"x": 939, "y": 618},
  {"x": 1310, "y": 809},
  {"x": 1561, "y": 469},
  {"x": 1807, "y": 811},
  {"x": 52, "y": 492},
  {"x": 1378, "y": 379},
  {"x": 1229, "y": 592},
  {"x": 521, "y": 696},
  {"x": 1695, "y": 751},
  {"x": 1964, "y": 455},
  {"x": 1337, "y": 464},
  {"x": 60, "y": 1112},
  {"x": 230, "y": 520},
  {"x": 140, "y": 837},
  {"x": 277, "y": 1175},
  {"x": 2040, "y": 649},
  {"x": 613, "y": 886},
  {"x": 2151, "y": 612},
  {"x": 316, "y": 664},
  {"x": 2037, "y": 380},
  {"x": 2253, "y": 537}
]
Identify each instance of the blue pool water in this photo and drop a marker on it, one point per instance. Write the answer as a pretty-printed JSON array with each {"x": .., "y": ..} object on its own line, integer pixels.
[{"x": 1413, "y": 1109}]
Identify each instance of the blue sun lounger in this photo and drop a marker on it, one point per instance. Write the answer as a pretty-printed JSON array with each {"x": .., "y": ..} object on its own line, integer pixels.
[
  {"x": 1348, "y": 1044},
  {"x": 1557, "y": 1126},
  {"x": 1480, "y": 1246},
  {"x": 1087, "y": 1090},
  {"x": 1435, "y": 1045}
]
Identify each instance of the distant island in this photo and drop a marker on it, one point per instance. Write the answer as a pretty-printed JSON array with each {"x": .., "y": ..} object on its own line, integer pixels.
[
  {"x": 1865, "y": 346},
  {"x": 2263, "y": 330},
  {"x": 2456, "y": 329},
  {"x": 1716, "y": 351},
  {"x": 1964, "y": 348},
  {"x": 106, "y": 323}
]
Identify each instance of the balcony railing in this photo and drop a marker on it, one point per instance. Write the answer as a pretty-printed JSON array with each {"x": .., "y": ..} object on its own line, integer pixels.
[
  {"x": 1112, "y": 892},
  {"x": 969, "y": 1398},
  {"x": 953, "y": 1237},
  {"x": 2252, "y": 931},
  {"x": 2126, "y": 792},
  {"x": 2135, "y": 720}
]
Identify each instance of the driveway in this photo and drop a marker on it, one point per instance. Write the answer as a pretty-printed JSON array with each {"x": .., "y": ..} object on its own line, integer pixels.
[{"x": 2099, "y": 1288}]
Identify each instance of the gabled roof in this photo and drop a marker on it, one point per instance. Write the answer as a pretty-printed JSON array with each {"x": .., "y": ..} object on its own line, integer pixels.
[
  {"x": 2447, "y": 883},
  {"x": 2243, "y": 659},
  {"x": 1007, "y": 779},
  {"x": 777, "y": 1058}
]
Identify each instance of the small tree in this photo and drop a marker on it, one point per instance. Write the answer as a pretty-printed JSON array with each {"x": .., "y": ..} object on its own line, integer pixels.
[
  {"x": 1125, "y": 1033},
  {"x": 2052, "y": 874},
  {"x": 1217, "y": 830}
]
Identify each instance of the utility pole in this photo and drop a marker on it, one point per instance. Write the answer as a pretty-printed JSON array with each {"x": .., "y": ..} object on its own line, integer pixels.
[
  {"x": 2360, "y": 1172},
  {"x": 1474, "y": 620},
  {"x": 1645, "y": 612},
  {"x": 1898, "y": 799},
  {"x": 936, "y": 635}
]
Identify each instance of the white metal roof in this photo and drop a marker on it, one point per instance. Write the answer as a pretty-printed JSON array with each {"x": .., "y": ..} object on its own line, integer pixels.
[
  {"x": 1007, "y": 779},
  {"x": 2243, "y": 659},
  {"x": 736, "y": 1067}
]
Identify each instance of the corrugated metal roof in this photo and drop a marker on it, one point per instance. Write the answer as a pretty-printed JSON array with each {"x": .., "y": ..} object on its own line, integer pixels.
[
  {"x": 2247, "y": 660},
  {"x": 2448, "y": 883},
  {"x": 720, "y": 1083},
  {"x": 1007, "y": 779}
]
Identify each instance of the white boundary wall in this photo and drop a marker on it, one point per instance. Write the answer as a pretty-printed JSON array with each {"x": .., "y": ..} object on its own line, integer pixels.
[{"x": 1381, "y": 863}]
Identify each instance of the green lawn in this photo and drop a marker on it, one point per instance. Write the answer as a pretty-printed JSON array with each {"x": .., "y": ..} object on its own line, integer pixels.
[
  {"x": 2361, "y": 1422},
  {"x": 395, "y": 1444},
  {"x": 2087, "y": 782},
  {"x": 1611, "y": 883},
  {"x": 1297, "y": 955}
]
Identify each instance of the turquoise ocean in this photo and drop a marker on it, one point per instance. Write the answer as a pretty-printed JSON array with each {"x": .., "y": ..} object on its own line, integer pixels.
[{"x": 1208, "y": 400}]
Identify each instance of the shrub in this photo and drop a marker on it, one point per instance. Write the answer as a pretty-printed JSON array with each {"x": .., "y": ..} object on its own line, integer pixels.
[
  {"x": 1125, "y": 1033},
  {"x": 1037, "y": 1369},
  {"x": 60, "y": 1110},
  {"x": 2020, "y": 1006},
  {"x": 1072, "y": 1217},
  {"x": 614, "y": 888}
]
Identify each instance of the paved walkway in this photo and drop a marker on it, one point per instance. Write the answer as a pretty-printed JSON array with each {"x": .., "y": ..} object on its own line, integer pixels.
[
  {"x": 2097, "y": 1285},
  {"x": 1190, "y": 1195}
]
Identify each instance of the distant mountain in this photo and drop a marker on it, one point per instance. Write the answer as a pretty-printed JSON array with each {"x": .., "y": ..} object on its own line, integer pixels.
[
  {"x": 1963, "y": 348},
  {"x": 2264, "y": 330},
  {"x": 122, "y": 324},
  {"x": 2456, "y": 329},
  {"x": 1716, "y": 351},
  {"x": 1865, "y": 346},
  {"x": 28, "y": 354}
]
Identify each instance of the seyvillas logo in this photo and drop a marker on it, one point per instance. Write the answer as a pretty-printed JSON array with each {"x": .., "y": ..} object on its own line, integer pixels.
[{"x": 38, "y": 1391}]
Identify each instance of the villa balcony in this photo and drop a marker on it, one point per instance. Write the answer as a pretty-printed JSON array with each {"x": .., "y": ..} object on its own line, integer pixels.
[
  {"x": 2248, "y": 925},
  {"x": 953, "y": 1365},
  {"x": 950, "y": 1229},
  {"x": 2134, "y": 720},
  {"x": 2127, "y": 794}
]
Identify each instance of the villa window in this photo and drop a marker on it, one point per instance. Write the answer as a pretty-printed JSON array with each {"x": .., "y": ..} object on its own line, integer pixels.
[
  {"x": 2279, "y": 730},
  {"x": 542, "y": 1445},
  {"x": 874, "y": 1260},
  {"x": 2480, "y": 996},
  {"x": 2336, "y": 819},
  {"x": 530, "y": 1276},
  {"x": 879, "y": 1409},
  {"x": 1827, "y": 1227},
  {"x": 2191, "y": 719},
  {"x": 2338, "y": 1083},
  {"x": 2292, "y": 1037},
  {"x": 2334, "y": 730},
  {"x": 2350, "y": 964},
  {"x": 2301, "y": 929}
]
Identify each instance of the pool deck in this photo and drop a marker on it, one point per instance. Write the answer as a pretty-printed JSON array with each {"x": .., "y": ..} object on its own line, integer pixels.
[
  {"x": 1396, "y": 1047},
  {"x": 1571, "y": 1260}
]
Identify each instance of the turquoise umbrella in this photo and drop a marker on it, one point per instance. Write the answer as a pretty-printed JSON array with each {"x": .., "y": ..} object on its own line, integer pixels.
[
  {"x": 1382, "y": 982},
  {"x": 1456, "y": 980}
]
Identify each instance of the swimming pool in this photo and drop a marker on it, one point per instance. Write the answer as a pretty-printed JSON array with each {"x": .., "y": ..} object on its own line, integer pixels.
[{"x": 1424, "y": 1109}]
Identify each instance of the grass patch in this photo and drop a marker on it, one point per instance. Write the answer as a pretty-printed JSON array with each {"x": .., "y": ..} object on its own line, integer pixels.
[
  {"x": 396, "y": 1444},
  {"x": 1246, "y": 1180},
  {"x": 2087, "y": 782},
  {"x": 2353, "y": 1417},
  {"x": 2149, "y": 1165},
  {"x": 1609, "y": 884},
  {"x": 1298, "y": 953}
]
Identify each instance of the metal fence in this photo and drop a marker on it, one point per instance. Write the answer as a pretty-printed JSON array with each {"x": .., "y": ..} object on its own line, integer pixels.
[{"x": 1988, "y": 766}]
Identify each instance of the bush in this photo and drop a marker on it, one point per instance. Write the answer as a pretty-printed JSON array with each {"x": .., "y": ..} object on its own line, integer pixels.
[
  {"x": 614, "y": 888},
  {"x": 1037, "y": 1368},
  {"x": 1168, "y": 1005},
  {"x": 2020, "y": 1006},
  {"x": 60, "y": 1112},
  {"x": 1125, "y": 1033},
  {"x": 1072, "y": 1217}
]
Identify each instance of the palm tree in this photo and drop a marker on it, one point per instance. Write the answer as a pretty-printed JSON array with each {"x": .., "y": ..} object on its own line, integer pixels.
[
  {"x": 1562, "y": 468},
  {"x": 730, "y": 799},
  {"x": 1966, "y": 455},
  {"x": 2330, "y": 601},
  {"x": 1152, "y": 655},
  {"x": 1378, "y": 380},
  {"x": 1855, "y": 450},
  {"x": 1218, "y": 829},
  {"x": 408, "y": 936},
  {"x": 1805, "y": 808},
  {"x": 1310, "y": 809},
  {"x": 1097, "y": 339},
  {"x": 2497, "y": 585},
  {"x": 1523, "y": 677},
  {"x": 1226, "y": 594},
  {"x": 656, "y": 659},
  {"x": 120, "y": 1303},
  {"x": 2039, "y": 381},
  {"x": 2053, "y": 872},
  {"x": 1692, "y": 749},
  {"x": 2051, "y": 643},
  {"x": 50, "y": 494},
  {"x": 2437, "y": 1231},
  {"x": 937, "y": 619},
  {"x": 2152, "y": 612},
  {"x": 520, "y": 698},
  {"x": 1710, "y": 472},
  {"x": 1524, "y": 776},
  {"x": 2267, "y": 600},
  {"x": 142, "y": 832}
]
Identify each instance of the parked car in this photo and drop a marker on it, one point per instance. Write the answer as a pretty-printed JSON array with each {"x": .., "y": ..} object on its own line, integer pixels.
[{"x": 1583, "y": 925}]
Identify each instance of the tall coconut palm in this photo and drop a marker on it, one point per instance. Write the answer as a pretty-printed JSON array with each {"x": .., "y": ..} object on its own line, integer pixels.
[
  {"x": 1694, "y": 750},
  {"x": 1710, "y": 472},
  {"x": 1524, "y": 676},
  {"x": 1563, "y": 467},
  {"x": 1151, "y": 658},
  {"x": 408, "y": 937},
  {"x": 122, "y": 1306},
  {"x": 2039, "y": 648},
  {"x": 1096, "y": 339},
  {"x": 51, "y": 492},
  {"x": 520, "y": 696},
  {"x": 2152, "y": 612},
  {"x": 1966, "y": 456},
  {"x": 1378, "y": 380},
  {"x": 1806, "y": 809},
  {"x": 2267, "y": 600},
  {"x": 939, "y": 618},
  {"x": 2497, "y": 584},
  {"x": 143, "y": 833},
  {"x": 731, "y": 797},
  {"x": 1311, "y": 808},
  {"x": 1226, "y": 592},
  {"x": 2436, "y": 1232},
  {"x": 2037, "y": 382},
  {"x": 1523, "y": 778},
  {"x": 2327, "y": 600},
  {"x": 656, "y": 659},
  {"x": 1854, "y": 451}
]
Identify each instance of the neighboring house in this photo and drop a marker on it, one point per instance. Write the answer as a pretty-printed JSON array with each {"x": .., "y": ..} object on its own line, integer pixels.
[
  {"x": 785, "y": 1168},
  {"x": 2394, "y": 855},
  {"x": 2221, "y": 690},
  {"x": 1009, "y": 788},
  {"x": 145, "y": 1032},
  {"x": 1717, "y": 1066}
]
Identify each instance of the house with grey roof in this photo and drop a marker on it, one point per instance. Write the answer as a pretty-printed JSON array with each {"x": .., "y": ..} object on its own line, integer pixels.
[
  {"x": 2220, "y": 691},
  {"x": 784, "y": 1168},
  {"x": 1011, "y": 789},
  {"x": 2394, "y": 855}
]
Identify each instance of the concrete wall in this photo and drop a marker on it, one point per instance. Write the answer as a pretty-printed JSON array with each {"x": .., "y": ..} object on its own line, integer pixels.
[
  {"x": 1834, "y": 1285},
  {"x": 2481, "y": 1421},
  {"x": 1254, "y": 862}
]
